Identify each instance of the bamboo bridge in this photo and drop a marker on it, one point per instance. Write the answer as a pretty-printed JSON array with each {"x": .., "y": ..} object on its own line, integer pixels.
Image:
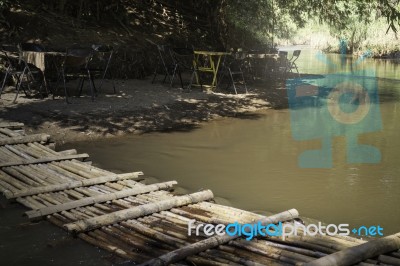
[{"x": 148, "y": 224}]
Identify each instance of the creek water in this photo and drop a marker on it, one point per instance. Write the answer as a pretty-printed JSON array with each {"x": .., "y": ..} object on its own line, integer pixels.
[
  {"x": 253, "y": 163},
  {"x": 247, "y": 163}
]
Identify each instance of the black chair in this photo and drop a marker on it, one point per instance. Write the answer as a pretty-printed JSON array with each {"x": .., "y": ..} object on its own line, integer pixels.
[
  {"x": 165, "y": 65},
  {"x": 99, "y": 65},
  {"x": 183, "y": 59},
  {"x": 283, "y": 62},
  {"x": 16, "y": 67},
  {"x": 35, "y": 47},
  {"x": 232, "y": 67},
  {"x": 75, "y": 65}
]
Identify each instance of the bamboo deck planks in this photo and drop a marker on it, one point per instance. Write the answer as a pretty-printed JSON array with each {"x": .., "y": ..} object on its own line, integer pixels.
[
  {"x": 73, "y": 184},
  {"x": 148, "y": 224}
]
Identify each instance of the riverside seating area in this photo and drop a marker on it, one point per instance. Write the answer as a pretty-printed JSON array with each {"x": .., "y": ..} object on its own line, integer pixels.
[
  {"x": 148, "y": 223},
  {"x": 32, "y": 66},
  {"x": 41, "y": 71},
  {"x": 218, "y": 69}
]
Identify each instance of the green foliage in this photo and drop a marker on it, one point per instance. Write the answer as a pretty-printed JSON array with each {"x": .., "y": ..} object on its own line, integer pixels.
[
  {"x": 360, "y": 37},
  {"x": 281, "y": 19},
  {"x": 4, "y": 4},
  {"x": 227, "y": 23}
]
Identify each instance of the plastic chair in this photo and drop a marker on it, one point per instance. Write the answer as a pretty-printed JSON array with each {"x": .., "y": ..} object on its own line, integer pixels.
[
  {"x": 100, "y": 64},
  {"x": 75, "y": 64},
  {"x": 18, "y": 69},
  {"x": 232, "y": 66}
]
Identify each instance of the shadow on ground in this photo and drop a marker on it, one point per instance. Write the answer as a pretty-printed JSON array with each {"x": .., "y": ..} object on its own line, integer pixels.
[{"x": 137, "y": 107}]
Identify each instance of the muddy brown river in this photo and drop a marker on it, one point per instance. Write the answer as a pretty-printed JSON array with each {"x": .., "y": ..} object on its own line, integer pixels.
[
  {"x": 247, "y": 163},
  {"x": 253, "y": 163}
]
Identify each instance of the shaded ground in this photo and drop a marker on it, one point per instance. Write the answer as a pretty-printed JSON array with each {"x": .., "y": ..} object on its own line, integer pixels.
[{"x": 137, "y": 107}]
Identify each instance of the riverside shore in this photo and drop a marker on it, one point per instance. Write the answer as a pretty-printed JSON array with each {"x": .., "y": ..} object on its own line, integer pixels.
[{"x": 138, "y": 107}]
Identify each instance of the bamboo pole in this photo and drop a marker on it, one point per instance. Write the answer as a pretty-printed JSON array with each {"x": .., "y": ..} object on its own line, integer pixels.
[
  {"x": 212, "y": 242},
  {"x": 7, "y": 155},
  {"x": 25, "y": 139},
  {"x": 22, "y": 151},
  {"x": 46, "y": 148},
  {"x": 11, "y": 125},
  {"x": 41, "y": 178},
  {"x": 5, "y": 187},
  {"x": 271, "y": 252},
  {"x": 43, "y": 149},
  {"x": 53, "y": 167},
  {"x": 8, "y": 132},
  {"x": 45, "y": 160},
  {"x": 389, "y": 260},
  {"x": 68, "y": 152},
  {"x": 143, "y": 244},
  {"x": 253, "y": 256},
  {"x": 277, "y": 251},
  {"x": 75, "y": 170},
  {"x": 21, "y": 177},
  {"x": 151, "y": 232},
  {"x": 214, "y": 258},
  {"x": 12, "y": 181},
  {"x": 34, "y": 152},
  {"x": 104, "y": 245},
  {"x": 231, "y": 257},
  {"x": 304, "y": 251},
  {"x": 361, "y": 252},
  {"x": 195, "y": 260},
  {"x": 73, "y": 184},
  {"x": 97, "y": 199},
  {"x": 47, "y": 174},
  {"x": 138, "y": 211}
]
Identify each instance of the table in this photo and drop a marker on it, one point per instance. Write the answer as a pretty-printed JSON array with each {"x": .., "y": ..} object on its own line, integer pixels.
[
  {"x": 214, "y": 60},
  {"x": 262, "y": 62}
]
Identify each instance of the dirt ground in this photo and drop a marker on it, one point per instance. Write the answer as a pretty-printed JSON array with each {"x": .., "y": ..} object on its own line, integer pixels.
[{"x": 138, "y": 107}]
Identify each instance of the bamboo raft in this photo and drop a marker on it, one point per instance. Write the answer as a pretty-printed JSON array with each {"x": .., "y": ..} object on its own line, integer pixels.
[{"x": 147, "y": 224}]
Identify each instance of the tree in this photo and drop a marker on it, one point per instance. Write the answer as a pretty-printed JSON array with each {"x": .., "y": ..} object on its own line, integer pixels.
[{"x": 274, "y": 17}]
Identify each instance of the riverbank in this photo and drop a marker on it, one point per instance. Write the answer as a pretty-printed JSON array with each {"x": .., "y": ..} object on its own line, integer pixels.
[{"x": 137, "y": 107}]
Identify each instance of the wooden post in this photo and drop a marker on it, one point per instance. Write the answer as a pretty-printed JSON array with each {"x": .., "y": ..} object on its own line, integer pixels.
[
  {"x": 138, "y": 211},
  {"x": 98, "y": 199},
  {"x": 212, "y": 242},
  {"x": 359, "y": 253},
  {"x": 25, "y": 139},
  {"x": 70, "y": 185}
]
